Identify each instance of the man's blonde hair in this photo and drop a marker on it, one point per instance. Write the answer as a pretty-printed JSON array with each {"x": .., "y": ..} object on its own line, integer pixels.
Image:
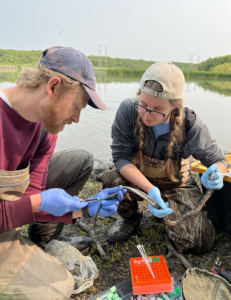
[{"x": 31, "y": 78}]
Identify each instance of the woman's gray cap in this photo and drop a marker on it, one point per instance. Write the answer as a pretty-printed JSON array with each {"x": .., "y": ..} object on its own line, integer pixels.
[
  {"x": 169, "y": 76},
  {"x": 75, "y": 65}
]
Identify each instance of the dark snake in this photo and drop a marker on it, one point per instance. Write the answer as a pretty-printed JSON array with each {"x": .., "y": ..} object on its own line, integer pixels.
[{"x": 167, "y": 221}]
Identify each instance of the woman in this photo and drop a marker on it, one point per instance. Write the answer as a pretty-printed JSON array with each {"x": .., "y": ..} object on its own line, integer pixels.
[{"x": 153, "y": 137}]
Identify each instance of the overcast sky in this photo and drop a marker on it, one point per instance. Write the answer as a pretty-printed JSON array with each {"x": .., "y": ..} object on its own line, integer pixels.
[{"x": 158, "y": 30}]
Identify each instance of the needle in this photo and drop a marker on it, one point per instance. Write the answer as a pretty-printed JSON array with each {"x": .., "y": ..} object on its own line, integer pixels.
[
  {"x": 93, "y": 199},
  {"x": 99, "y": 199}
]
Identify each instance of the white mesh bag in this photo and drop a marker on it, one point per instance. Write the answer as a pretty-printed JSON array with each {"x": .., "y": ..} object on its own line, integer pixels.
[{"x": 82, "y": 268}]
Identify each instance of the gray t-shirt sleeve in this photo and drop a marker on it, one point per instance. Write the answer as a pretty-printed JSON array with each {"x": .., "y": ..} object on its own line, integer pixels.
[
  {"x": 123, "y": 134},
  {"x": 201, "y": 146}
]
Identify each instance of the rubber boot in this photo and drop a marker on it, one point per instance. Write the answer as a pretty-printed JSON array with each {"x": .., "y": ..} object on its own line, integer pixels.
[
  {"x": 42, "y": 233},
  {"x": 123, "y": 228}
]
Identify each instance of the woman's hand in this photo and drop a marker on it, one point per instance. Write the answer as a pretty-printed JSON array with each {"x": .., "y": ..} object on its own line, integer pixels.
[
  {"x": 217, "y": 181},
  {"x": 154, "y": 193}
]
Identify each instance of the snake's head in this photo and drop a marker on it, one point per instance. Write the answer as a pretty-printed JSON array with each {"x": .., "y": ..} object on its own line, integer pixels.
[{"x": 211, "y": 176}]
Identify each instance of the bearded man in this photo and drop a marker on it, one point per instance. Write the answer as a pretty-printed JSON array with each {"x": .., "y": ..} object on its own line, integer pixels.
[{"x": 37, "y": 186}]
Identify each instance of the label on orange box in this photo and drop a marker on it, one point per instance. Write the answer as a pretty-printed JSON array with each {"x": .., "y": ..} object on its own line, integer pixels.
[{"x": 142, "y": 280}]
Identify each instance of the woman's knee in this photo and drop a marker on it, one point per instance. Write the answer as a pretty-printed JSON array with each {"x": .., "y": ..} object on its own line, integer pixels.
[
  {"x": 195, "y": 235},
  {"x": 111, "y": 178}
]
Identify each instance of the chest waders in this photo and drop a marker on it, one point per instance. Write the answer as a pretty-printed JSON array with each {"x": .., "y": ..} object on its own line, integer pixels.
[
  {"x": 26, "y": 271},
  {"x": 194, "y": 235}
]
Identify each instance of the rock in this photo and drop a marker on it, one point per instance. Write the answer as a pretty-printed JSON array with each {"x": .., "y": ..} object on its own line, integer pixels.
[{"x": 100, "y": 166}]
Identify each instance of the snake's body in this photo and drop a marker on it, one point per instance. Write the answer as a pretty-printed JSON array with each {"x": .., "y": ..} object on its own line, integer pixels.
[
  {"x": 167, "y": 221},
  {"x": 185, "y": 216}
]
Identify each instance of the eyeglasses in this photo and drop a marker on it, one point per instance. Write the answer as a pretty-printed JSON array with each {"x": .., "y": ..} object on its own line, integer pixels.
[{"x": 143, "y": 110}]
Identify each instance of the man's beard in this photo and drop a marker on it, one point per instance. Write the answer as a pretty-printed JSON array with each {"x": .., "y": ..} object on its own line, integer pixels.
[{"x": 51, "y": 117}]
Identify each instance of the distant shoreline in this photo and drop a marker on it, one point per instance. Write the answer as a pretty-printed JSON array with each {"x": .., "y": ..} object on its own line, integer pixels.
[
  {"x": 132, "y": 72},
  {"x": 195, "y": 74}
]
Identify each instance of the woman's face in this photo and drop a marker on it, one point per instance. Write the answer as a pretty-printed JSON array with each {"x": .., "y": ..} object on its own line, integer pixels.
[{"x": 153, "y": 103}]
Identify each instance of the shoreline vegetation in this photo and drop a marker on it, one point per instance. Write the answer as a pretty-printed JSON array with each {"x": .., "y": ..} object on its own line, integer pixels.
[
  {"x": 131, "y": 72},
  {"x": 219, "y": 67},
  {"x": 195, "y": 74}
]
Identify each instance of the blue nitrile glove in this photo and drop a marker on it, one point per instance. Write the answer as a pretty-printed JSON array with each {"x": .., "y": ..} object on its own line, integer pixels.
[
  {"x": 57, "y": 202},
  {"x": 154, "y": 193},
  {"x": 109, "y": 207},
  {"x": 216, "y": 183}
]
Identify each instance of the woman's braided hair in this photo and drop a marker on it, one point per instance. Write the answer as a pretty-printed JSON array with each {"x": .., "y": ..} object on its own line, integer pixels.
[{"x": 177, "y": 132}]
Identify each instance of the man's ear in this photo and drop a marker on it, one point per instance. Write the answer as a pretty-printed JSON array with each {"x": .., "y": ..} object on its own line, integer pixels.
[{"x": 51, "y": 85}]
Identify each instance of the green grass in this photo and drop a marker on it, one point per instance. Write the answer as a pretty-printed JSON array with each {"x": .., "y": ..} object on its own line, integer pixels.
[
  {"x": 197, "y": 74},
  {"x": 204, "y": 74}
]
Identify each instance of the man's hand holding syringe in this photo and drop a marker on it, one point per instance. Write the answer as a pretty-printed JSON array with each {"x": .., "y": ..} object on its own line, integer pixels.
[{"x": 57, "y": 202}]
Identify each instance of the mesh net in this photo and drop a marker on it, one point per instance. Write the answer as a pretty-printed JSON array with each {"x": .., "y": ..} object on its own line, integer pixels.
[
  {"x": 82, "y": 268},
  {"x": 203, "y": 285}
]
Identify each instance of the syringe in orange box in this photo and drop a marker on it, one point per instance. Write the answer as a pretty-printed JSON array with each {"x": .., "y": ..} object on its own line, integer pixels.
[{"x": 143, "y": 281}]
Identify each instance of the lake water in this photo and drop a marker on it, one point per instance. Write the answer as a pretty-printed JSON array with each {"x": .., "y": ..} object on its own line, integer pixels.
[{"x": 210, "y": 98}]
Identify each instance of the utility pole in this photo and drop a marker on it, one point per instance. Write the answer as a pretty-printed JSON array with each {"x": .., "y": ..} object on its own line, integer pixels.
[
  {"x": 105, "y": 56},
  {"x": 191, "y": 57},
  {"x": 99, "y": 55}
]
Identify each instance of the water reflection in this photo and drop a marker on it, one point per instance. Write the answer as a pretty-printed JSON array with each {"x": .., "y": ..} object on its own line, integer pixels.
[
  {"x": 220, "y": 86},
  {"x": 217, "y": 86},
  {"x": 8, "y": 77},
  {"x": 102, "y": 77}
]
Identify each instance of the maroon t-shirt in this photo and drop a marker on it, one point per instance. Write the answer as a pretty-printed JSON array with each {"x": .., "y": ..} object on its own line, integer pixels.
[{"x": 19, "y": 140}]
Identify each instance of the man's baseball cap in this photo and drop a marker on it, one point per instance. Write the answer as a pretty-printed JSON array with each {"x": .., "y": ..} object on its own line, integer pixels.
[
  {"x": 169, "y": 76},
  {"x": 75, "y": 65}
]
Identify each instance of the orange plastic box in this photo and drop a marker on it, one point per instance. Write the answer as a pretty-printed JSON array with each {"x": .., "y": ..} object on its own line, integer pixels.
[{"x": 142, "y": 280}]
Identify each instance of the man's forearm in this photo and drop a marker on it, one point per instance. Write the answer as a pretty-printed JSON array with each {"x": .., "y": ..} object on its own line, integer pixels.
[
  {"x": 15, "y": 214},
  {"x": 36, "y": 202}
]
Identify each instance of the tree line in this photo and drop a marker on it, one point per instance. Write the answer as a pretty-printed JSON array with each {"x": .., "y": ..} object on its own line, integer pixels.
[
  {"x": 19, "y": 57},
  {"x": 30, "y": 58},
  {"x": 127, "y": 63},
  {"x": 211, "y": 64}
]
